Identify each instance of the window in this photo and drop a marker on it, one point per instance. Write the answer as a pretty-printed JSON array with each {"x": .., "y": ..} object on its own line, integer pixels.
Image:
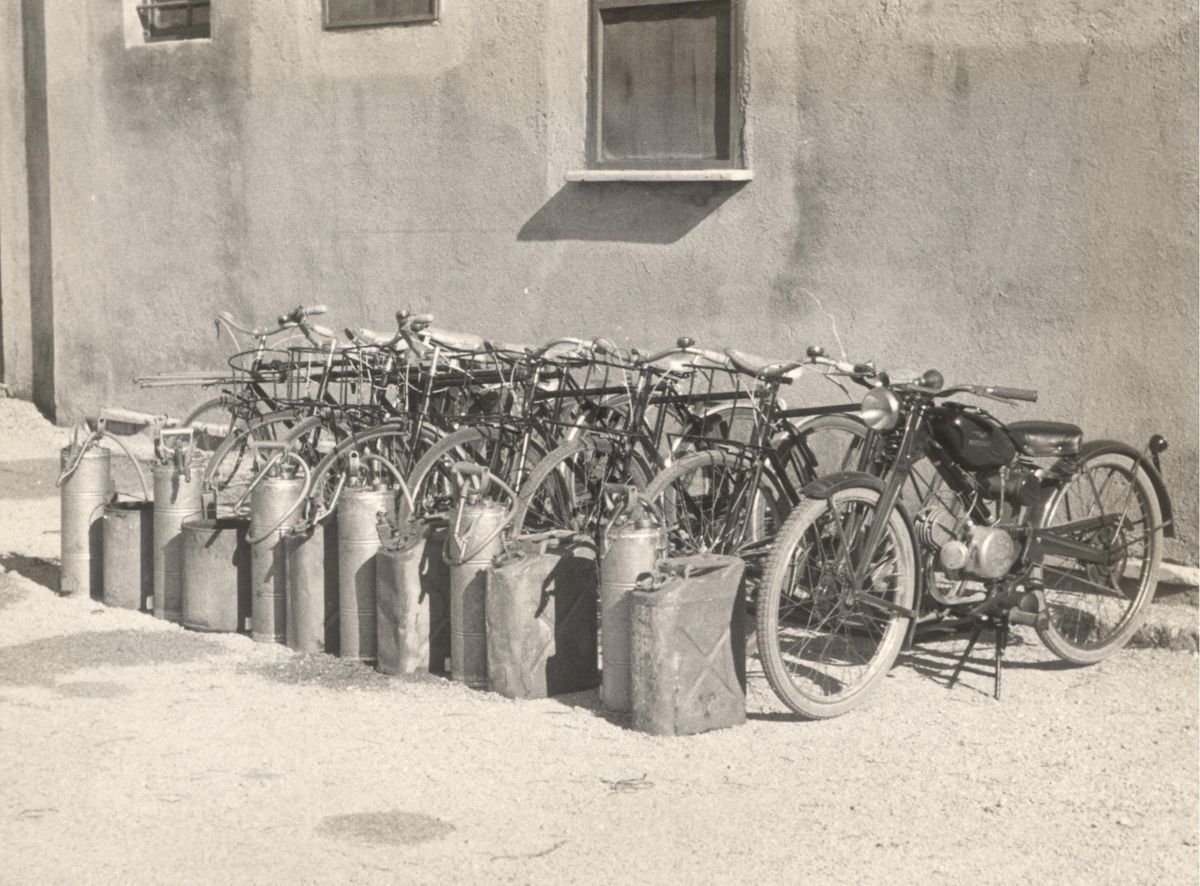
[
  {"x": 366, "y": 13},
  {"x": 175, "y": 19},
  {"x": 663, "y": 90}
]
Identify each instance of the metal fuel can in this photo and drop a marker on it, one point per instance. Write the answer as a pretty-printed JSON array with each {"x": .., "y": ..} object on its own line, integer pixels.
[
  {"x": 273, "y": 512},
  {"x": 176, "y": 499},
  {"x": 541, "y": 619},
  {"x": 688, "y": 668},
  {"x": 128, "y": 554},
  {"x": 312, "y": 588},
  {"x": 412, "y": 599},
  {"x": 472, "y": 542},
  {"x": 631, "y": 548},
  {"x": 81, "y": 500},
  {"x": 358, "y": 512},
  {"x": 216, "y": 574}
]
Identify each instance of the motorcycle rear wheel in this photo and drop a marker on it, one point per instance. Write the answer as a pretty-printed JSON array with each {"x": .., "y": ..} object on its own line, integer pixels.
[{"x": 1094, "y": 610}]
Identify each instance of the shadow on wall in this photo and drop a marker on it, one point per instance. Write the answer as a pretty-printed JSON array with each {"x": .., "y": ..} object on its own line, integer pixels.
[{"x": 660, "y": 212}]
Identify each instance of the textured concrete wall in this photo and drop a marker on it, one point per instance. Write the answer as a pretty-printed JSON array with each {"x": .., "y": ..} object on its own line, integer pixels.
[
  {"x": 16, "y": 337},
  {"x": 1004, "y": 191}
]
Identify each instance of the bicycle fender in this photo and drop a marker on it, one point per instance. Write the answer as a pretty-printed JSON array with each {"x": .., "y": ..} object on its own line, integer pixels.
[{"x": 1116, "y": 447}]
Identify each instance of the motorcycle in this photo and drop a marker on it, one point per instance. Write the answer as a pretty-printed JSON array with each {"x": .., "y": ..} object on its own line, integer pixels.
[{"x": 953, "y": 514}]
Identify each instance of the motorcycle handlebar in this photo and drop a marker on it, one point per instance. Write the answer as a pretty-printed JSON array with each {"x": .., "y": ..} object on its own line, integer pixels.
[{"x": 1012, "y": 393}]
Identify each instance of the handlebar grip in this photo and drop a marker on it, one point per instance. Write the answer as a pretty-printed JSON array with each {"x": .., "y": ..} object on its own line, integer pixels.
[
  {"x": 413, "y": 320},
  {"x": 323, "y": 331},
  {"x": 1013, "y": 393},
  {"x": 684, "y": 341},
  {"x": 313, "y": 310}
]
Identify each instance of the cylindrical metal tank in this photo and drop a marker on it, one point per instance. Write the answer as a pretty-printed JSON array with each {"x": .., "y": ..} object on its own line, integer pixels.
[
  {"x": 270, "y": 503},
  {"x": 176, "y": 499},
  {"x": 357, "y": 543},
  {"x": 631, "y": 549},
  {"x": 541, "y": 620},
  {"x": 473, "y": 540},
  {"x": 129, "y": 554},
  {"x": 312, "y": 589},
  {"x": 82, "y": 500},
  {"x": 688, "y": 655},
  {"x": 216, "y": 574}
]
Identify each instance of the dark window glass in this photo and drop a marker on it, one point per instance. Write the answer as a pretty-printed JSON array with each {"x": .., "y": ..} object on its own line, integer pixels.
[
  {"x": 662, "y": 83},
  {"x": 363, "y": 13},
  {"x": 175, "y": 19}
]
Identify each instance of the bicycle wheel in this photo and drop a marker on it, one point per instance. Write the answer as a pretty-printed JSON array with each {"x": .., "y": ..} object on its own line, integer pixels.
[
  {"x": 432, "y": 480},
  {"x": 830, "y": 443},
  {"x": 212, "y": 422},
  {"x": 230, "y": 468},
  {"x": 569, "y": 489},
  {"x": 379, "y": 453},
  {"x": 825, "y": 644},
  {"x": 1094, "y": 609},
  {"x": 708, "y": 506}
]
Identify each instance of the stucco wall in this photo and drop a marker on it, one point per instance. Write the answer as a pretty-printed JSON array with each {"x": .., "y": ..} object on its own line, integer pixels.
[{"x": 1004, "y": 191}]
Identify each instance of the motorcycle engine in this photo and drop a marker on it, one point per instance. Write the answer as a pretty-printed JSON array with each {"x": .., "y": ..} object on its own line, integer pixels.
[
  {"x": 987, "y": 552},
  {"x": 964, "y": 549}
]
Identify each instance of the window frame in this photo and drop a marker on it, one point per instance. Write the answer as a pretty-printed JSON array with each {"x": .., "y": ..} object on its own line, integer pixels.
[
  {"x": 595, "y": 97},
  {"x": 431, "y": 17}
]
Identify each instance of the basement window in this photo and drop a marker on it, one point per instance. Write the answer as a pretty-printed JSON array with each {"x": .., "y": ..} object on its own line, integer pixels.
[
  {"x": 175, "y": 20},
  {"x": 371, "y": 13},
  {"x": 663, "y": 85}
]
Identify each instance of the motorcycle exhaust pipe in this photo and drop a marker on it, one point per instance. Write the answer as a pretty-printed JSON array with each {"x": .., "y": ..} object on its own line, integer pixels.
[{"x": 1029, "y": 610}]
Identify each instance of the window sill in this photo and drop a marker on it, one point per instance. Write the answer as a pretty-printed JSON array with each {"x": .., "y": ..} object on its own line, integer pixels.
[{"x": 660, "y": 175}]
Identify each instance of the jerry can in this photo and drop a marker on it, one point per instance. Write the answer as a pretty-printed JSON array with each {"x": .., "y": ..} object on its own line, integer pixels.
[
  {"x": 412, "y": 598},
  {"x": 541, "y": 619},
  {"x": 472, "y": 543},
  {"x": 216, "y": 574},
  {"x": 178, "y": 482},
  {"x": 128, "y": 554},
  {"x": 86, "y": 489},
  {"x": 688, "y": 669},
  {"x": 311, "y": 553},
  {"x": 631, "y": 547},
  {"x": 357, "y": 543}
]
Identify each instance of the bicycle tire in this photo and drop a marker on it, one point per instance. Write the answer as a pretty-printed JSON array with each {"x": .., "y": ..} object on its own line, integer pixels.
[{"x": 804, "y": 677}]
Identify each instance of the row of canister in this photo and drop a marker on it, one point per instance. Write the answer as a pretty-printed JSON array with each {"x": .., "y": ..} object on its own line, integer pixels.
[{"x": 446, "y": 595}]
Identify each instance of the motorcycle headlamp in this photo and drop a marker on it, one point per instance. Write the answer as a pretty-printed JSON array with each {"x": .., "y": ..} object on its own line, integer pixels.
[{"x": 880, "y": 409}]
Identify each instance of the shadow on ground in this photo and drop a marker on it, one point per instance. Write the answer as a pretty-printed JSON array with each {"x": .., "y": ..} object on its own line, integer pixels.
[
  {"x": 44, "y": 662},
  {"x": 393, "y": 828},
  {"x": 43, "y": 572},
  {"x": 328, "y": 672}
]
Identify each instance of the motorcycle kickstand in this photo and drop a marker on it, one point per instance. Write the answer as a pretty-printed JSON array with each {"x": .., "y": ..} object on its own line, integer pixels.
[
  {"x": 978, "y": 629},
  {"x": 1001, "y": 645}
]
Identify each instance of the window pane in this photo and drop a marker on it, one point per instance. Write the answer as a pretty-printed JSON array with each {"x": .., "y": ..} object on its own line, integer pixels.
[
  {"x": 665, "y": 82},
  {"x": 378, "y": 12}
]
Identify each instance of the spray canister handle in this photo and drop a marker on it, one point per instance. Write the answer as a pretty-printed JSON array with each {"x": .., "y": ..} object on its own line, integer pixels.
[{"x": 179, "y": 452}]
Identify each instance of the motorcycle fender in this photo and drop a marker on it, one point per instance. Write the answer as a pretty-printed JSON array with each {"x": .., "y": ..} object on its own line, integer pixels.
[
  {"x": 824, "y": 487},
  {"x": 1115, "y": 447}
]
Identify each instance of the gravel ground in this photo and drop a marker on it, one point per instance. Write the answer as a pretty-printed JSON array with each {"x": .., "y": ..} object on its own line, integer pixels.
[{"x": 134, "y": 751}]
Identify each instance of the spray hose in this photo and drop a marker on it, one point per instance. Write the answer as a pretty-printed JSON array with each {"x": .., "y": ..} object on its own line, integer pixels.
[
  {"x": 464, "y": 469},
  {"x": 280, "y": 456},
  {"x": 93, "y": 438}
]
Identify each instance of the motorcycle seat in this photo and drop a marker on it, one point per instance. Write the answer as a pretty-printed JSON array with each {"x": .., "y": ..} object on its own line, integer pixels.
[{"x": 1046, "y": 437}]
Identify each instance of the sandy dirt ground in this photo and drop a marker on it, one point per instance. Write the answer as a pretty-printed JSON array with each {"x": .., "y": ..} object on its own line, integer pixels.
[{"x": 132, "y": 751}]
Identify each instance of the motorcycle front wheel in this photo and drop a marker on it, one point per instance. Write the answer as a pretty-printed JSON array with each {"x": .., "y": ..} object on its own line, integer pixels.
[
  {"x": 1094, "y": 609},
  {"x": 825, "y": 644}
]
